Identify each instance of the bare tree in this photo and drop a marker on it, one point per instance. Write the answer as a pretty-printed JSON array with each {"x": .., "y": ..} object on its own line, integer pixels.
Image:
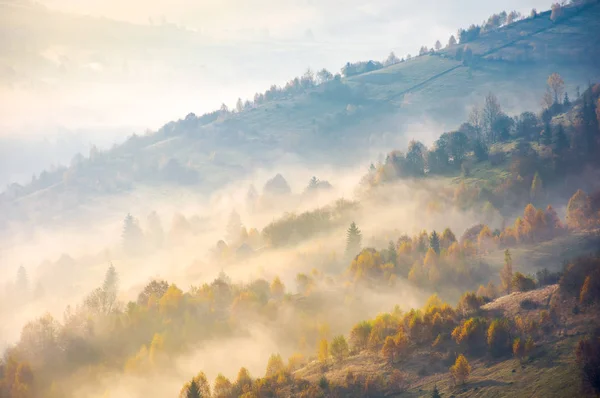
[
  {"x": 557, "y": 85},
  {"x": 491, "y": 112},
  {"x": 475, "y": 119}
]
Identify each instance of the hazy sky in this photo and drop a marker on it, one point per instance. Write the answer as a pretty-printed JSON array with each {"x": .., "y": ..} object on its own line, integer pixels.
[{"x": 74, "y": 65}]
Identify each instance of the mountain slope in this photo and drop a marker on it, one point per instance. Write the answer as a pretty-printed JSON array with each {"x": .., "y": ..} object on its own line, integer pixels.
[{"x": 348, "y": 115}]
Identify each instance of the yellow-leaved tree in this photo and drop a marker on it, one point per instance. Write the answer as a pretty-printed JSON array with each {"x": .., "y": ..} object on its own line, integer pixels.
[{"x": 461, "y": 370}]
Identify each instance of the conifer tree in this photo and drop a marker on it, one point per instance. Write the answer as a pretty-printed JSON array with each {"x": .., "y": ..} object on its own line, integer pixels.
[
  {"x": 353, "y": 239},
  {"x": 193, "y": 390},
  {"x": 561, "y": 142},
  {"x": 434, "y": 242}
]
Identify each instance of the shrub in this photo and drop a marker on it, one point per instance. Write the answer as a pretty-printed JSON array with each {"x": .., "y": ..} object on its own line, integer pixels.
[
  {"x": 497, "y": 158},
  {"x": 522, "y": 283},
  {"x": 528, "y": 304},
  {"x": 576, "y": 273}
]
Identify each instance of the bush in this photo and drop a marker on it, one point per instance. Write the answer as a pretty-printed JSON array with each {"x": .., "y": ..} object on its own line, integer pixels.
[
  {"x": 545, "y": 277},
  {"x": 522, "y": 283},
  {"x": 528, "y": 304},
  {"x": 497, "y": 158},
  {"x": 574, "y": 277},
  {"x": 323, "y": 383}
]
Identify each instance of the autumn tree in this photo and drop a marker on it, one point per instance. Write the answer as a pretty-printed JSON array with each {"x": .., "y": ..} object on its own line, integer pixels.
[
  {"x": 522, "y": 283},
  {"x": 498, "y": 336},
  {"x": 461, "y": 370},
  {"x": 556, "y": 85},
  {"x": 222, "y": 387},
  {"x": 102, "y": 300},
  {"x": 518, "y": 348},
  {"x": 339, "y": 348},
  {"x": 323, "y": 352},
  {"x": 448, "y": 238},
  {"x": 153, "y": 290},
  {"x": 537, "y": 189},
  {"x": 388, "y": 351},
  {"x": 274, "y": 365},
  {"x": 359, "y": 335},
  {"x": 578, "y": 210},
  {"x": 506, "y": 275},
  {"x": 353, "y": 239},
  {"x": 277, "y": 288}
]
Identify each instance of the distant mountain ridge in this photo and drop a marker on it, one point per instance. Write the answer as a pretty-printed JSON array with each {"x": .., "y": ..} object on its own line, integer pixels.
[{"x": 337, "y": 121}]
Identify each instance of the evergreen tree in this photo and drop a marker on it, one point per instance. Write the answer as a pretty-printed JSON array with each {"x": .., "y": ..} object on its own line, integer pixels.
[
  {"x": 506, "y": 275},
  {"x": 566, "y": 100},
  {"x": 435, "y": 393},
  {"x": 480, "y": 150},
  {"x": 561, "y": 142},
  {"x": 434, "y": 242},
  {"x": 590, "y": 121},
  {"x": 547, "y": 133},
  {"x": 193, "y": 390},
  {"x": 22, "y": 280},
  {"x": 391, "y": 253},
  {"x": 353, "y": 239},
  {"x": 234, "y": 228},
  {"x": 131, "y": 235}
]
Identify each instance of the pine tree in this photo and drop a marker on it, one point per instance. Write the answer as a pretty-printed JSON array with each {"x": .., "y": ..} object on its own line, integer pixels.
[
  {"x": 131, "y": 235},
  {"x": 561, "y": 142},
  {"x": 193, "y": 390},
  {"x": 234, "y": 228},
  {"x": 391, "y": 253},
  {"x": 547, "y": 133},
  {"x": 506, "y": 274},
  {"x": 590, "y": 121},
  {"x": 22, "y": 280},
  {"x": 434, "y": 242},
  {"x": 353, "y": 239},
  {"x": 435, "y": 393},
  {"x": 566, "y": 100}
]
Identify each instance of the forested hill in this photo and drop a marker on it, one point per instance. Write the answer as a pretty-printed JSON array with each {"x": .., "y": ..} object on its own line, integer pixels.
[{"x": 361, "y": 107}]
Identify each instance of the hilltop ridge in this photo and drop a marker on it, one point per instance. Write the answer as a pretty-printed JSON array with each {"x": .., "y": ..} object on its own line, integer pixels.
[{"x": 369, "y": 110}]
